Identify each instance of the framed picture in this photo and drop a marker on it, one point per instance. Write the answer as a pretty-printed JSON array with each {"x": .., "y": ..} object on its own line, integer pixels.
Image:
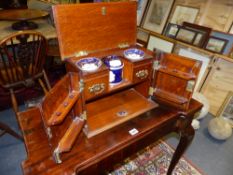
[
  {"x": 231, "y": 53},
  {"x": 186, "y": 35},
  {"x": 171, "y": 30},
  {"x": 216, "y": 45},
  {"x": 156, "y": 15},
  {"x": 231, "y": 29},
  {"x": 226, "y": 110},
  {"x": 140, "y": 10},
  {"x": 159, "y": 43},
  {"x": 184, "y": 13},
  {"x": 198, "y": 39},
  {"x": 142, "y": 36},
  {"x": 204, "y": 58},
  {"x": 203, "y": 33}
]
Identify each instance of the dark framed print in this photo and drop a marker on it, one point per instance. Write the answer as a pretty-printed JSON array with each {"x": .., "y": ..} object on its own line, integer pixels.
[
  {"x": 226, "y": 109},
  {"x": 199, "y": 39},
  {"x": 184, "y": 13},
  {"x": 203, "y": 33},
  {"x": 216, "y": 44},
  {"x": 140, "y": 10},
  {"x": 231, "y": 29},
  {"x": 156, "y": 15},
  {"x": 171, "y": 30},
  {"x": 186, "y": 35}
]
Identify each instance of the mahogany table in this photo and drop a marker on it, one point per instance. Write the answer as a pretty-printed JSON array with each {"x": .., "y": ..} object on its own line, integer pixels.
[
  {"x": 23, "y": 16},
  {"x": 98, "y": 154}
]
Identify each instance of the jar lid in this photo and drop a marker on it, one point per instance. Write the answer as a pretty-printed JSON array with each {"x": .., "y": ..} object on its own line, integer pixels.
[{"x": 115, "y": 63}]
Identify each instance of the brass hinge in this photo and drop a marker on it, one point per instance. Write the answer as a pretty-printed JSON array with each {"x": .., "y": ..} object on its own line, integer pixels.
[
  {"x": 103, "y": 11},
  {"x": 84, "y": 115},
  {"x": 123, "y": 45},
  {"x": 151, "y": 91},
  {"x": 81, "y": 85},
  {"x": 156, "y": 65},
  {"x": 56, "y": 156},
  {"x": 49, "y": 133},
  {"x": 81, "y": 53},
  {"x": 190, "y": 85}
]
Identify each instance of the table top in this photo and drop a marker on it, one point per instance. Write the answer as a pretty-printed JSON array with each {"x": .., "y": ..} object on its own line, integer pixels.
[
  {"x": 22, "y": 14},
  {"x": 44, "y": 27},
  {"x": 87, "y": 152}
]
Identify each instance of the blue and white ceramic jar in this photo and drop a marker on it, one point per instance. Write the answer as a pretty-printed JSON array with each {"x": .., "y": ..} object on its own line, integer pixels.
[{"x": 115, "y": 66}]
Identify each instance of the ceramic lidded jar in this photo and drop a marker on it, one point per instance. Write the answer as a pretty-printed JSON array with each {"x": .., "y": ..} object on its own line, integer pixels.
[{"x": 115, "y": 66}]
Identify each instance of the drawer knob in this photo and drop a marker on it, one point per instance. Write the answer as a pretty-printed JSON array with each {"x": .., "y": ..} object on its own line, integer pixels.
[
  {"x": 97, "y": 88},
  {"x": 142, "y": 74}
]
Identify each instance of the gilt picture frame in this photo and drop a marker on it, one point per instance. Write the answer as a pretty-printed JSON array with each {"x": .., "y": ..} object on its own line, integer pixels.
[
  {"x": 156, "y": 15},
  {"x": 184, "y": 14},
  {"x": 226, "y": 109}
]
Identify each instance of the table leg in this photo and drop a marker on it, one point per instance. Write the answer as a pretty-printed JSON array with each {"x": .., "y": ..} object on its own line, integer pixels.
[{"x": 186, "y": 136}]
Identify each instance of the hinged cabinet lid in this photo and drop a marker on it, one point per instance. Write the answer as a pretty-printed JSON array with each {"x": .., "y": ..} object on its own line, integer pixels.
[{"x": 92, "y": 27}]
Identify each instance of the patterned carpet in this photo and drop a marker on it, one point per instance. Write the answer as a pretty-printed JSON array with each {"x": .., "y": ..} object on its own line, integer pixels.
[{"x": 154, "y": 160}]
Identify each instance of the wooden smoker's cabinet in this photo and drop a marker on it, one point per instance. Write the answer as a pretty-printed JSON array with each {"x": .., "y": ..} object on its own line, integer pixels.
[
  {"x": 86, "y": 101},
  {"x": 91, "y": 103}
]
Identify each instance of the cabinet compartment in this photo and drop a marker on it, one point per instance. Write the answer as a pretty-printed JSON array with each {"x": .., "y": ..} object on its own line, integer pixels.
[{"x": 111, "y": 111}]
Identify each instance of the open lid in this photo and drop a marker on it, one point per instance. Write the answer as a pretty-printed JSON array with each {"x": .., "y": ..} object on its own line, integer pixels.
[{"x": 92, "y": 27}]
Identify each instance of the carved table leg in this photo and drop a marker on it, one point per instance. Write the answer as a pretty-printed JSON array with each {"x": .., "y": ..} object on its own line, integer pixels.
[{"x": 186, "y": 136}]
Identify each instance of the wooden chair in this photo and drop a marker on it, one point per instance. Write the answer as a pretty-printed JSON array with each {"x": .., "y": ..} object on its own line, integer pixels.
[{"x": 22, "y": 57}]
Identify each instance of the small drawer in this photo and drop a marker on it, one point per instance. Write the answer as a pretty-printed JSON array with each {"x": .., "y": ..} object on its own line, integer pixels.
[
  {"x": 141, "y": 73},
  {"x": 95, "y": 86}
]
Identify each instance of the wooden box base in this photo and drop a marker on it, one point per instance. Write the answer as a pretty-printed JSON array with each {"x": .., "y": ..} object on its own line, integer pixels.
[{"x": 111, "y": 111}]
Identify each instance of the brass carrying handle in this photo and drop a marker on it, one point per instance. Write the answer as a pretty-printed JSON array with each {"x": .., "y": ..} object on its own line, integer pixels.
[
  {"x": 96, "y": 88},
  {"x": 142, "y": 74}
]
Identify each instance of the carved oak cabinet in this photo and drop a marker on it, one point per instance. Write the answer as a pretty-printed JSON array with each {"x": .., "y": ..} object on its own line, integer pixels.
[{"x": 83, "y": 124}]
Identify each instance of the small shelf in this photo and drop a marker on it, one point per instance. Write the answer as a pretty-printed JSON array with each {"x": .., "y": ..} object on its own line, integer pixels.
[
  {"x": 67, "y": 141},
  {"x": 170, "y": 97},
  {"x": 120, "y": 85},
  {"x": 111, "y": 111},
  {"x": 63, "y": 109}
]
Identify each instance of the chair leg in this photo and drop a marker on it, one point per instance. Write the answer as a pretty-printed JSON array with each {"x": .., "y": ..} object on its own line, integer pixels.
[
  {"x": 14, "y": 101},
  {"x": 8, "y": 130},
  {"x": 46, "y": 80},
  {"x": 43, "y": 86}
]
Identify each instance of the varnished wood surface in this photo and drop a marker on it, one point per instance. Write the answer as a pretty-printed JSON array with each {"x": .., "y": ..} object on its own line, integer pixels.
[
  {"x": 94, "y": 27},
  {"x": 88, "y": 153},
  {"x": 172, "y": 79},
  {"x": 103, "y": 114},
  {"x": 22, "y": 14}
]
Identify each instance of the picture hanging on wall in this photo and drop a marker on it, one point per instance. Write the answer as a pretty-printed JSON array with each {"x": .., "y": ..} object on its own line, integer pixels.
[
  {"x": 184, "y": 14},
  {"x": 140, "y": 10},
  {"x": 156, "y": 15}
]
